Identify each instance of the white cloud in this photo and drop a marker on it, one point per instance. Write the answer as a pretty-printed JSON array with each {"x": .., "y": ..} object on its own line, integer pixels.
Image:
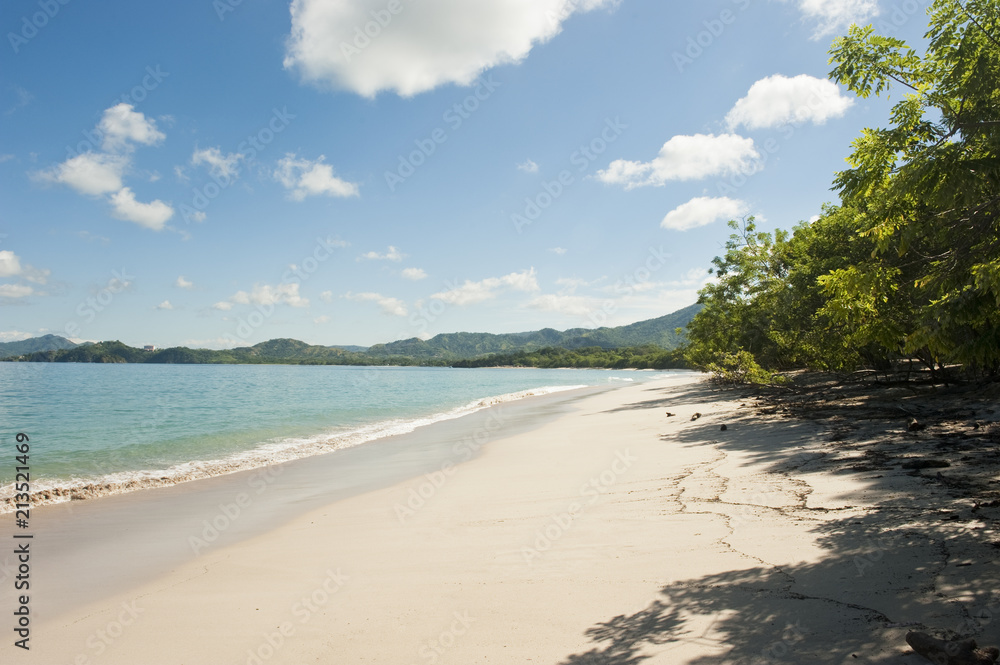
[
  {"x": 563, "y": 304},
  {"x": 414, "y": 274},
  {"x": 165, "y": 305},
  {"x": 632, "y": 287},
  {"x": 777, "y": 100},
  {"x": 571, "y": 284},
  {"x": 265, "y": 294},
  {"x": 528, "y": 166},
  {"x": 152, "y": 215},
  {"x": 391, "y": 306},
  {"x": 425, "y": 45},
  {"x": 686, "y": 158},
  {"x": 122, "y": 125},
  {"x": 36, "y": 275},
  {"x": 23, "y": 99},
  {"x": 91, "y": 173},
  {"x": 321, "y": 319},
  {"x": 97, "y": 173},
  {"x": 326, "y": 296},
  {"x": 213, "y": 343},
  {"x": 14, "y": 336},
  {"x": 473, "y": 292},
  {"x": 311, "y": 178},
  {"x": 219, "y": 165},
  {"x": 223, "y": 306},
  {"x": 694, "y": 277},
  {"x": 182, "y": 283},
  {"x": 702, "y": 211},
  {"x": 392, "y": 254},
  {"x": 15, "y": 291},
  {"x": 558, "y": 250},
  {"x": 10, "y": 264},
  {"x": 834, "y": 15}
]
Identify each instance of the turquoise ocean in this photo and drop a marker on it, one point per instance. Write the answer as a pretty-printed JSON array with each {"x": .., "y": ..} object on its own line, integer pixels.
[{"x": 108, "y": 428}]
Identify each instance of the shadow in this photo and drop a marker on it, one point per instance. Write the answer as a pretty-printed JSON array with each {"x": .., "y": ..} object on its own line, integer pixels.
[
  {"x": 922, "y": 557},
  {"x": 683, "y": 395},
  {"x": 833, "y": 611},
  {"x": 657, "y": 624}
]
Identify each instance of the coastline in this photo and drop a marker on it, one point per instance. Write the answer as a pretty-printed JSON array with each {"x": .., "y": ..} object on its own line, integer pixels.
[
  {"x": 176, "y": 523},
  {"x": 48, "y": 492},
  {"x": 600, "y": 531}
]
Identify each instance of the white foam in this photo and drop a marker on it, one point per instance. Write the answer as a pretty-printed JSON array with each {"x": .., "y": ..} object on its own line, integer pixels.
[{"x": 60, "y": 490}]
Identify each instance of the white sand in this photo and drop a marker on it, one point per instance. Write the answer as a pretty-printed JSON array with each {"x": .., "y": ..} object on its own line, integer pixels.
[{"x": 608, "y": 535}]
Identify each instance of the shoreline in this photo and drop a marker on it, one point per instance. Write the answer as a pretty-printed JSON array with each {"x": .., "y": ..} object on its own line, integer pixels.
[
  {"x": 48, "y": 492},
  {"x": 605, "y": 531},
  {"x": 175, "y": 523}
]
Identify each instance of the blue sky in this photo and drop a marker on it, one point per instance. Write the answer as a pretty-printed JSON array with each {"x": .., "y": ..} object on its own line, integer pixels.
[{"x": 219, "y": 173}]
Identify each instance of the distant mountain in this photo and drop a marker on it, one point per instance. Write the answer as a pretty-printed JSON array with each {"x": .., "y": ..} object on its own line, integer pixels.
[
  {"x": 659, "y": 332},
  {"x": 35, "y": 344},
  {"x": 284, "y": 351},
  {"x": 444, "y": 349},
  {"x": 293, "y": 348}
]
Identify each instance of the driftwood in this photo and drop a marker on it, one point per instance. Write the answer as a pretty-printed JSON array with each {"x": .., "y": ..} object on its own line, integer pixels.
[{"x": 956, "y": 652}]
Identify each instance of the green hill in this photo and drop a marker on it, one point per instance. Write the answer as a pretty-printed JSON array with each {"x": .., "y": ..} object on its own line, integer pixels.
[
  {"x": 34, "y": 345},
  {"x": 292, "y": 348},
  {"x": 651, "y": 338},
  {"x": 660, "y": 332}
]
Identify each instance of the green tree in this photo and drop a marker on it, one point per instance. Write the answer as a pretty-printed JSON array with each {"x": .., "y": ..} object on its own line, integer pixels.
[
  {"x": 740, "y": 303},
  {"x": 769, "y": 300},
  {"x": 927, "y": 189}
]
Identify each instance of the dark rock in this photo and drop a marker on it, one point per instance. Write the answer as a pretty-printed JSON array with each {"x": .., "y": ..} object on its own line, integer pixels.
[
  {"x": 696, "y": 416},
  {"x": 723, "y": 428},
  {"x": 915, "y": 425}
]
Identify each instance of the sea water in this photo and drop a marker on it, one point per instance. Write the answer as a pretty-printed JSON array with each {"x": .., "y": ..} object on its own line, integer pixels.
[{"x": 109, "y": 428}]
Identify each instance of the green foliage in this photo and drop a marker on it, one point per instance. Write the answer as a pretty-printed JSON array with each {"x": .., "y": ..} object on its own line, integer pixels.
[
  {"x": 740, "y": 368},
  {"x": 104, "y": 352},
  {"x": 602, "y": 347},
  {"x": 273, "y": 351},
  {"x": 768, "y": 299},
  {"x": 34, "y": 345},
  {"x": 909, "y": 264},
  {"x": 927, "y": 189},
  {"x": 662, "y": 332},
  {"x": 643, "y": 357},
  {"x": 300, "y": 353}
]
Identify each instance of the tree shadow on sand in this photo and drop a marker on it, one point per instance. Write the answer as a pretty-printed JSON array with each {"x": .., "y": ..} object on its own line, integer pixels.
[
  {"x": 923, "y": 559},
  {"x": 855, "y": 605}
]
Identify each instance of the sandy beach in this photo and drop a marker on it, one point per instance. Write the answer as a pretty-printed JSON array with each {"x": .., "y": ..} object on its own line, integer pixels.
[{"x": 607, "y": 531}]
